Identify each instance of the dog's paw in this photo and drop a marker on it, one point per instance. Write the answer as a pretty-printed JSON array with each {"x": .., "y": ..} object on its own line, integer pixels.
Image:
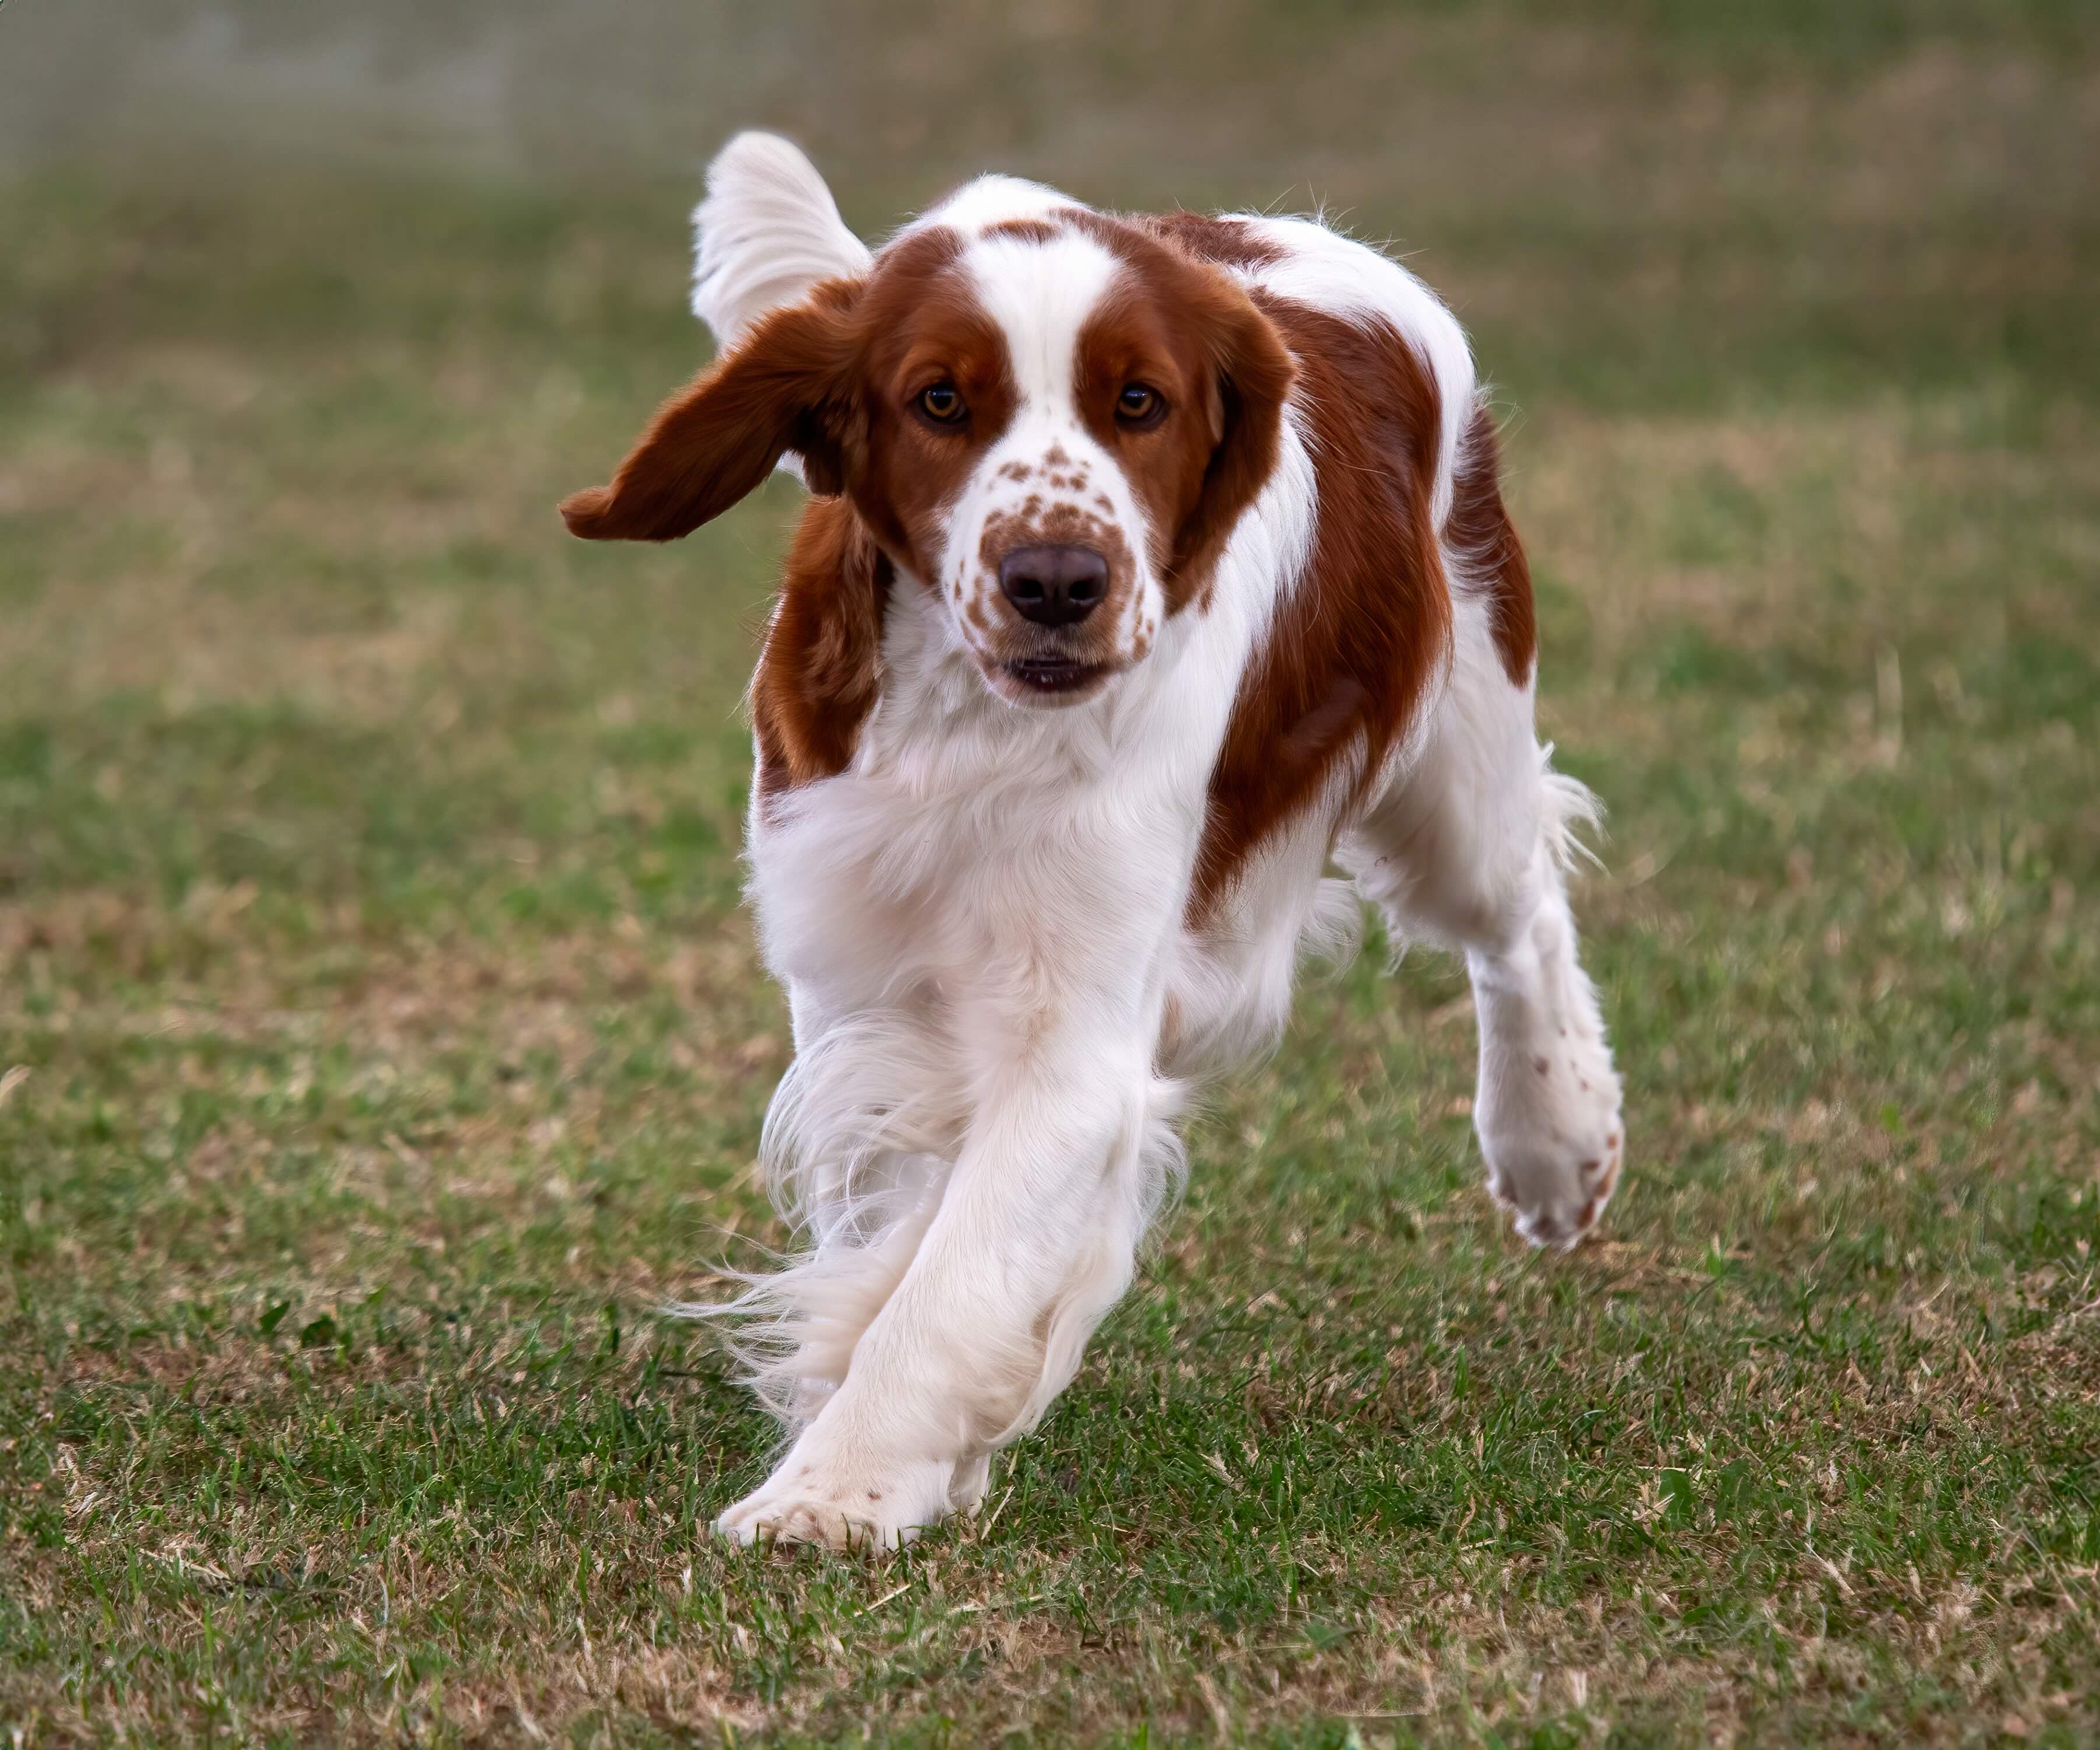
[
  {"x": 1554, "y": 1139},
  {"x": 966, "y": 1491},
  {"x": 841, "y": 1504}
]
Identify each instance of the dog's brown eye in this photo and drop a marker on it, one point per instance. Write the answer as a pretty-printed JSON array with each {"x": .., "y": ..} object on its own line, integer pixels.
[
  {"x": 943, "y": 401},
  {"x": 1136, "y": 404}
]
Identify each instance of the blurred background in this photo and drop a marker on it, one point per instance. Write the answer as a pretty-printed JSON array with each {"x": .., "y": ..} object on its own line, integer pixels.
[
  {"x": 378, "y": 1027},
  {"x": 308, "y": 314},
  {"x": 1688, "y": 158}
]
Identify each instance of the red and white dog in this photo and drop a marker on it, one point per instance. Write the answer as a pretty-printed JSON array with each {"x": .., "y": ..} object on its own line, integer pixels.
[{"x": 1154, "y": 566}]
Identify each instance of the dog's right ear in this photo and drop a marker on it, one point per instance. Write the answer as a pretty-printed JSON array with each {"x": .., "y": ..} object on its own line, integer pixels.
[{"x": 790, "y": 383}]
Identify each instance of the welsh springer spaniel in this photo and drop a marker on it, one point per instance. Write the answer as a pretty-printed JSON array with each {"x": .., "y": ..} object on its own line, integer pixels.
[{"x": 1152, "y": 566}]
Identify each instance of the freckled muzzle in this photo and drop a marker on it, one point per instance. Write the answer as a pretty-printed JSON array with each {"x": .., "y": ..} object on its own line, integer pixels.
[
  {"x": 1058, "y": 635},
  {"x": 1058, "y": 606}
]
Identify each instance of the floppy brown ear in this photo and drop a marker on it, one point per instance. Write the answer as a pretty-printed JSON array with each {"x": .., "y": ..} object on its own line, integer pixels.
[
  {"x": 1252, "y": 375},
  {"x": 788, "y": 384}
]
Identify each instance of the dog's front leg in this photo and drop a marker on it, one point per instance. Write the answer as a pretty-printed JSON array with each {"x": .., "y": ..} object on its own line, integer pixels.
[{"x": 1033, "y": 1242}]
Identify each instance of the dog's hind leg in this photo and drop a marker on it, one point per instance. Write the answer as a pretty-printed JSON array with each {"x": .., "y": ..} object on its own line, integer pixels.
[{"x": 1467, "y": 848}]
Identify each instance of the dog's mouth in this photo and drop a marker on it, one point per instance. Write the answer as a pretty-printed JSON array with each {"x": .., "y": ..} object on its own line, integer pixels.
[{"x": 1051, "y": 677}]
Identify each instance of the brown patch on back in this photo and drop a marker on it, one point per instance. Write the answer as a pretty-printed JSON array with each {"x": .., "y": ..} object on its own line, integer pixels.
[
  {"x": 1025, "y": 229},
  {"x": 820, "y": 673},
  {"x": 1350, "y": 654},
  {"x": 1227, "y": 242},
  {"x": 1491, "y": 557}
]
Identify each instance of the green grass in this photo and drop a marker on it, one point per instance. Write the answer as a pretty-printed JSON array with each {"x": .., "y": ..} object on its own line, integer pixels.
[{"x": 382, "y": 1042}]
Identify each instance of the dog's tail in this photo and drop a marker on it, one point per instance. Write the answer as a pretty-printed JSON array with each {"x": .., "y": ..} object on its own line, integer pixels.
[{"x": 767, "y": 233}]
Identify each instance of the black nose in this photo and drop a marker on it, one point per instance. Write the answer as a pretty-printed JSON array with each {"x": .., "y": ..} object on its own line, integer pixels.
[{"x": 1054, "y": 586}]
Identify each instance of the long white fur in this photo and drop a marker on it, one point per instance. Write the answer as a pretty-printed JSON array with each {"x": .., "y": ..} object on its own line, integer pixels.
[
  {"x": 766, "y": 233},
  {"x": 980, "y": 923}
]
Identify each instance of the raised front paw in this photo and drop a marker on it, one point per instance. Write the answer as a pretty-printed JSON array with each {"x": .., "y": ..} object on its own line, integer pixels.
[
  {"x": 1553, "y": 1139},
  {"x": 844, "y": 1504}
]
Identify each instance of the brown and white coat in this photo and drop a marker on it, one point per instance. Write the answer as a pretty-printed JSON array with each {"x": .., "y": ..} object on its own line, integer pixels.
[{"x": 1154, "y": 567}]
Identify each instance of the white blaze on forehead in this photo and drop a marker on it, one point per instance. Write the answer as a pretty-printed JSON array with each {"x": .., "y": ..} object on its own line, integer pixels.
[
  {"x": 989, "y": 201},
  {"x": 1041, "y": 295}
]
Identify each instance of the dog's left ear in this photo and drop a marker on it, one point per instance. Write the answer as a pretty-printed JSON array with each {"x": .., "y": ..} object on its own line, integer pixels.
[
  {"x": 1251, "y": 374},
  {"x": 790, "y": 383}
]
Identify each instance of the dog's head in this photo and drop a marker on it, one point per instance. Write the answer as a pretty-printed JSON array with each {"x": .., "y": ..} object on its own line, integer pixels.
[{"x": 1049, "y": 418}]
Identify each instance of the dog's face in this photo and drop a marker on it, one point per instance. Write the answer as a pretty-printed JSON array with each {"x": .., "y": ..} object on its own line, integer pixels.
[{"x": 1050, "y": 424}]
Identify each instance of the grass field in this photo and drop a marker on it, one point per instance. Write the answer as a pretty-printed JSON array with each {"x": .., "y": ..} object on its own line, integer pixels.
[{"x": 381, "y": 1042}]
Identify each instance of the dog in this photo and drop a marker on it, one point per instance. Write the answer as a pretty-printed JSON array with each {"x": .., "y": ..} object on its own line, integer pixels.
[{"x": 1154, "y": 566}]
